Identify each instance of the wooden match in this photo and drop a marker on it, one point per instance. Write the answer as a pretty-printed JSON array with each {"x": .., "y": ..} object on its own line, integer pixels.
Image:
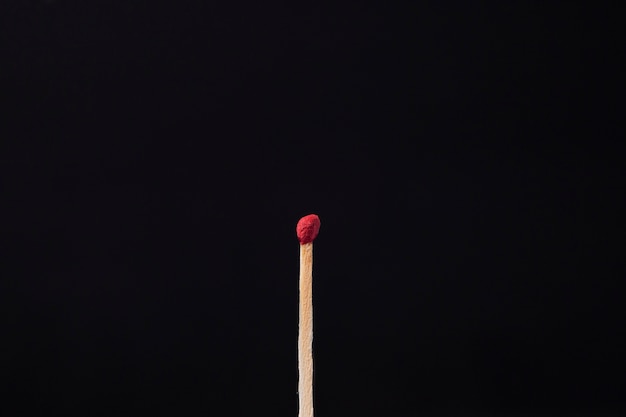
[{"x": 307, "y": 230}]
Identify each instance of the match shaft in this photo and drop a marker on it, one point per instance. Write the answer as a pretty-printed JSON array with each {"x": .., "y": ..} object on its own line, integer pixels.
[{"x": 305, "y": 332}]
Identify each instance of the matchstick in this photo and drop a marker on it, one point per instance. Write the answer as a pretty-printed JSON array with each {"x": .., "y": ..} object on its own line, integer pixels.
[{"x": 307, "y": 230}]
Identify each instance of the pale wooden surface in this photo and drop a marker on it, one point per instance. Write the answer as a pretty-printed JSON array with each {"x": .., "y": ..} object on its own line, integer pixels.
[{"x": 305, "y": 332}]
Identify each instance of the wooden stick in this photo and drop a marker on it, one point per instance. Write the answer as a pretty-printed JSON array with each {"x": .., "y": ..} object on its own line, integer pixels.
[
  {"x": 307, "y": 230},
  {"x": 305, "y": 334}
]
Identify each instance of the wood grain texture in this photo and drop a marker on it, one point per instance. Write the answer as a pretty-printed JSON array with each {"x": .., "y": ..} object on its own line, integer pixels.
[{"x": 305, "y": 332}]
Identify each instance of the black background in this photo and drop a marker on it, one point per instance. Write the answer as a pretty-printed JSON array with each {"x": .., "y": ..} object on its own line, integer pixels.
[{"x": 464, "y": 159}]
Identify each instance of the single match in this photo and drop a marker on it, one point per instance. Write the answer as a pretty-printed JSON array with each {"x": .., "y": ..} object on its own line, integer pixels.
[{"x": 306, "y": 229}]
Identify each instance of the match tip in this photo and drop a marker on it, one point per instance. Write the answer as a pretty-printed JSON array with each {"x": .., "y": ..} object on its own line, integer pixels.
[{"x": 307, "y": 228}]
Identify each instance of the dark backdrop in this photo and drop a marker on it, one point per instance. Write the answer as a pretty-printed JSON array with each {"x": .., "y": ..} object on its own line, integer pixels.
[{"x": 464, "y": 159}]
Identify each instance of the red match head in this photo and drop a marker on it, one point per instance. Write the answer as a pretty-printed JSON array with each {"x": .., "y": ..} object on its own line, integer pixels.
[{"x": 307, "y": 228}]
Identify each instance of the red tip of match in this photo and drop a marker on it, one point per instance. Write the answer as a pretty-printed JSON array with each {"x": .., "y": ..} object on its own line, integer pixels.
[{"x": 307, "y": 228}]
